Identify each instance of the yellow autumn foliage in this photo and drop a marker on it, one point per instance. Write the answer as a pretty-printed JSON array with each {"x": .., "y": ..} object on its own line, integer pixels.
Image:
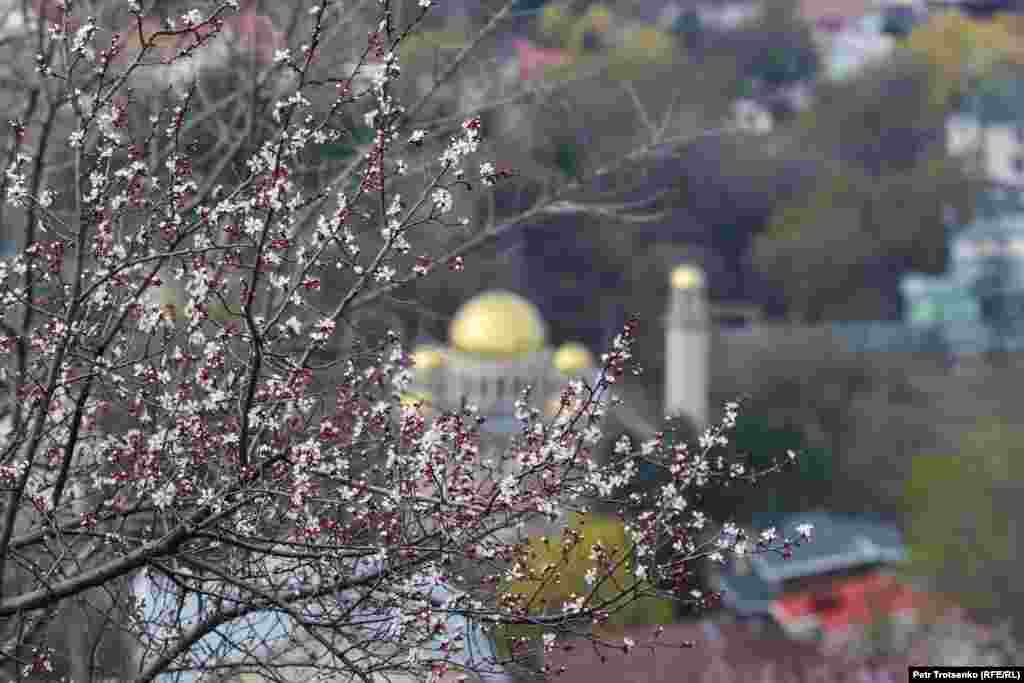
[
  {"x": 557, "y": 567},
  {"x": 556, "y": 21},
  {"x": 960, "y": 47},
  {"x": 429, "y": 42},
  {"x": 641, "y": 47},
  {"x": 556, "y": 571}
]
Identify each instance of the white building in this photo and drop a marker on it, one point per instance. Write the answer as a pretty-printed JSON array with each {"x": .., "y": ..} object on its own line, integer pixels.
[
  {"x": 752, "y": 117},
  {"x": 852, "y": 34},
  {"x": 994, "y": 150},
  {"x": 858, "y": 45}
]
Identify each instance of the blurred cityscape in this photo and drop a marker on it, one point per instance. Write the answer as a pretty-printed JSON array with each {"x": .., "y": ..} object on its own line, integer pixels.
[
  {"x": 849, "y": 197},
  {"x": 817, "y": 205}
]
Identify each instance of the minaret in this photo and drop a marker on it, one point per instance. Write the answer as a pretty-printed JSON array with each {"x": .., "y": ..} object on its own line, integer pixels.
[{"x": 686, "y": 346}]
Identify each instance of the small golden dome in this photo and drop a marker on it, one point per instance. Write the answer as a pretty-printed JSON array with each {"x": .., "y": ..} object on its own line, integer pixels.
[
  {"x": 498, "y": 324},
  {"x": 572, "y": 358},
  {"x": 687, "y": 277},
  {"x": 426, "y": 358}
]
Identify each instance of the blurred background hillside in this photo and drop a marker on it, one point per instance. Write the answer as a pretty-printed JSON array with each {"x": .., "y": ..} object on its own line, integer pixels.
[
  {"x": 847, "y": 175},
  {"x": 814, "y": 166}
]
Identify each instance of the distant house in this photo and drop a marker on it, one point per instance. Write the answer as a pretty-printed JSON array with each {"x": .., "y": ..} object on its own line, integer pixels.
[
  {"x": 852, "y": 34},
  {"x": 802, "y": 619},
  {"x": 729, "y": 16},
  {"x": 857, "y": 45},
  {"x": 719, "y": 15},
  {"x": 978, "y": 306},
  {"x": 827, "y": 590},
  {"x": 988, "y": 130},
  {"x": 751, "y": 116},
  {"x": 828, "y": 18}
]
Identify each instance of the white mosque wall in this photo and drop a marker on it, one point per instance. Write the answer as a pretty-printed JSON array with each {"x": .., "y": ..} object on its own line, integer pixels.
[{"x": 494, "y": 385}]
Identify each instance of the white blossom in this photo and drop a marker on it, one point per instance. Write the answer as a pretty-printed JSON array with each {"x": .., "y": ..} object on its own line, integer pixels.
[
  {"x": 442, "y": 199},
  {"x": 164, "y": 497}
]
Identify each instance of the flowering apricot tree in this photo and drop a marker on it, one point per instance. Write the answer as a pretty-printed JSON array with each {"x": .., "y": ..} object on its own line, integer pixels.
[{"x": 196, "y": 483}]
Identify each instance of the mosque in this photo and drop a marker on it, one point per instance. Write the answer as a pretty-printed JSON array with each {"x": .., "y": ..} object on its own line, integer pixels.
[{"x": 498, "y": 346}]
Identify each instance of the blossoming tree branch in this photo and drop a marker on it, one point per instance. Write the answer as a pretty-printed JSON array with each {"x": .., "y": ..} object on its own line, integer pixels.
[{"x": 179, "y": 414}]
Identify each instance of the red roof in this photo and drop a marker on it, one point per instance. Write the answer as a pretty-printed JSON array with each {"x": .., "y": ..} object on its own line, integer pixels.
[
  {"x": 532, "y": 60},
  {"x": 846, "y": 602}
]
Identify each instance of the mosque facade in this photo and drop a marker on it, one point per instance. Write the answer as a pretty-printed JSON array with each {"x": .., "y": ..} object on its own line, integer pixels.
[{"x": 498, "y": 346}]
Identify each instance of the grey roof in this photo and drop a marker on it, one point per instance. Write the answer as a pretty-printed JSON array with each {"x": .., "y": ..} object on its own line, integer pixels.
[
  {"x": 840, "y": 542},
  {"x": 747, "y": 594},
  {"x": 1005, "y": 225},
  {"x": 998, "y": 201}
]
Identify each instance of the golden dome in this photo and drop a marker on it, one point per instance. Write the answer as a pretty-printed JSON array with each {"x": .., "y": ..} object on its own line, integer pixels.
[
  {"x": 687, "y": 277},
  {"x": 572, "y": 358},
  {"x": 427, "y": 358},
  {"x": 498, "y": 324}
]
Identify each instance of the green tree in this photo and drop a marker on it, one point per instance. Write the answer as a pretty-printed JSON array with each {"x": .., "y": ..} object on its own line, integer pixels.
[
  {"x": 963, "y": 514},
  {"x": 959, "y": 48},
  {"x": 881, "y": 121},
  {"x": 808, "y": 390},
  {"x": 776, "y": 49},
  {"x": 882, "y": 192},
  {"x": 819, "y": 246}
]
